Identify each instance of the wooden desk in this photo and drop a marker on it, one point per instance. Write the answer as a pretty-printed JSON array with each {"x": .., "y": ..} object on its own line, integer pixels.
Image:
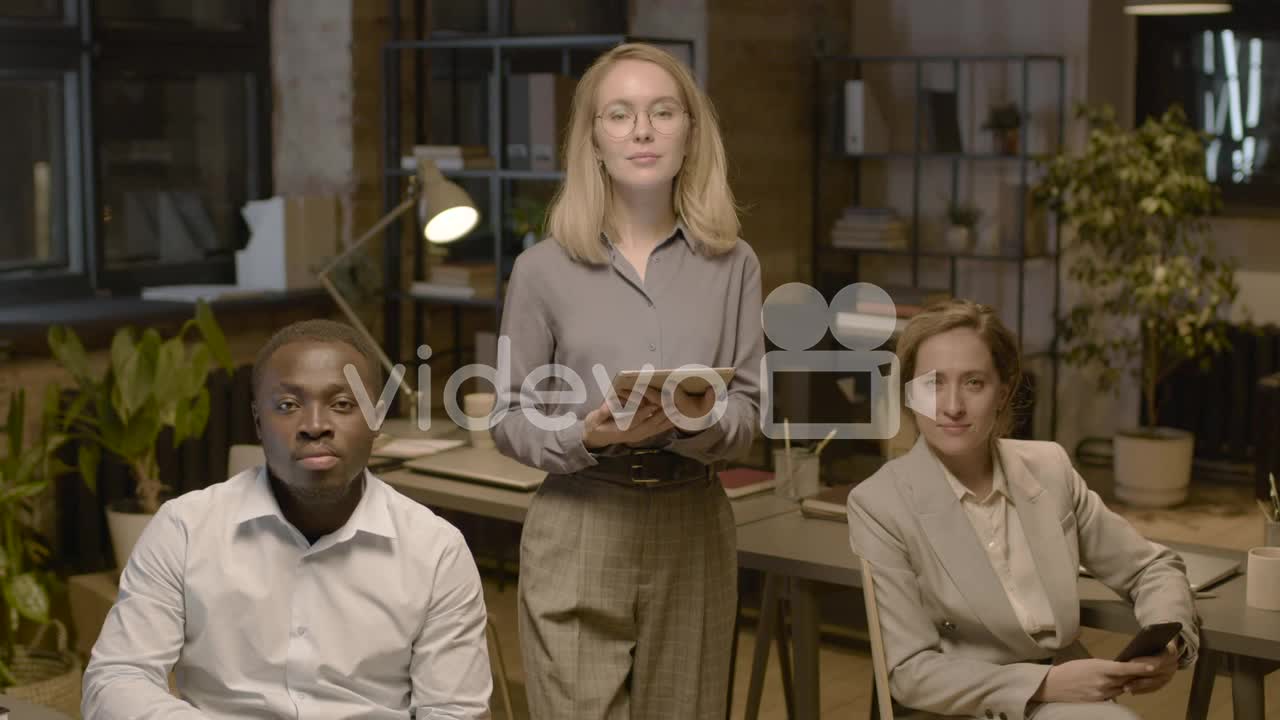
[{"x": 809, "y": 551}]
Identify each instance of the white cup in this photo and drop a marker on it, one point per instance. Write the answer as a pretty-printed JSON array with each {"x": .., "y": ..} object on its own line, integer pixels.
[
  {"x": 479, "y": 406},
  {"x": 1262, "y": 580}
]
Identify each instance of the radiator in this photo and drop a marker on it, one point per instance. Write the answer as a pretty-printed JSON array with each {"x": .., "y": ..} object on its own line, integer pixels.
[{"x": 1221, "y": 405}]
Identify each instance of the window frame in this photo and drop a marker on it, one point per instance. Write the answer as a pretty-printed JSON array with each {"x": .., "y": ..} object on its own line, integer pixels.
[
  {"x": 1156, "y": 35},
  {"x": 91, "y": 50}
]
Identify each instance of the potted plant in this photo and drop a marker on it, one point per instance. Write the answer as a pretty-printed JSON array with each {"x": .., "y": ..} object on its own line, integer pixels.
[
  {"x": 1155, "y": 294},
  {"x": 1005, "y": 122},
  {"x": 50, "y": 678},
  {"x": 528, "y": 218},
  {"x": 962, "y": 227},
  {"x": 149, "y": 385}
]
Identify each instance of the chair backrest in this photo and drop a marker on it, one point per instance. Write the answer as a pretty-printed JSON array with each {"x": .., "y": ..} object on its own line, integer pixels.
[
  {"x": 878, "y": 665},
  {"x": 243, "y": 457}
]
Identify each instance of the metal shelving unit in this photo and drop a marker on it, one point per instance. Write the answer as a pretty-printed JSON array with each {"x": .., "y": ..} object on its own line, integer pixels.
[
  {"x": 499, "y": 50},
  {"x": 823, "y": 154}
]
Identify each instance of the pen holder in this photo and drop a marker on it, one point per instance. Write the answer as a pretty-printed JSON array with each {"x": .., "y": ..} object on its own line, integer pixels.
[
  {"x": 802, "y": 480},
  {"x": 1262, "y": 579}
]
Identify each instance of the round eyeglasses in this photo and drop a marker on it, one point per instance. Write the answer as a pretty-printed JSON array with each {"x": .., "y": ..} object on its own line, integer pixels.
[{"x": 621, "y": 122}]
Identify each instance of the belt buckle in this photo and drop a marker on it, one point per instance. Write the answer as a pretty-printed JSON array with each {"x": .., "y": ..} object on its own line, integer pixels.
[{"x": 638, "y": 467}]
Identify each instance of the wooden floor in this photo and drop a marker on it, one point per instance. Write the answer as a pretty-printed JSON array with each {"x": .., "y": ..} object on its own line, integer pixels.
[{"x": 1221, "y": 515}]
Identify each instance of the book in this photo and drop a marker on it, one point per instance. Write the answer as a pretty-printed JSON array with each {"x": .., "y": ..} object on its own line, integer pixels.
[
  {"x": 829, "y": 504},
  {"x": 865, "y": 130},
  {"x": 437, "y": 152},
  {"x": 439, "y": 290},
  {"x": 463, "y": 273},
  {"x": 738, "y": 482},
  {"x": 942, "y": 122}
]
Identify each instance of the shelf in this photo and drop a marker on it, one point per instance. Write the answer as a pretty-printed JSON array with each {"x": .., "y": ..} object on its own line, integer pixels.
[
  {"x": 460, "y": 302},
  {"x": 908, "y": 155},
  {"x": 548, "y": 175},
  {"x": 939, "y": 254},
  {"x": 531, "y": 42},
  {"x": 941, "y": 58}
]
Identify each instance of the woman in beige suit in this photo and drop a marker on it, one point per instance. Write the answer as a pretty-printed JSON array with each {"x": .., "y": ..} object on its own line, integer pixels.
[{"x": 975, "y": 540}]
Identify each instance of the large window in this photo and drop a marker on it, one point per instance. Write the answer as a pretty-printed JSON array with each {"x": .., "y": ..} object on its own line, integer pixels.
[
  {"x": 1225, "y": 72},
  {"x": 133, "y": 132}
]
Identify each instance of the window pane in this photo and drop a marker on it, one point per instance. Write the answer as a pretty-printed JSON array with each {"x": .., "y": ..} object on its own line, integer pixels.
[
  {"x": 191, "y": 14},
  {"x": 174, "y": 165},
  {"x": 31, "y": 10},
  {"x": 32, "y": 171},
  {"x": 1238, "y": 104}
]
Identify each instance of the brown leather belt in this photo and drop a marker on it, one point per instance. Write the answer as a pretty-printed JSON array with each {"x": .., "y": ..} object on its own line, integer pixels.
[{"x": 647, "y": 468}]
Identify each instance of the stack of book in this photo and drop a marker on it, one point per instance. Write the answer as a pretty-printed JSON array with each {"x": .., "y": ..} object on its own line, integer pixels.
[
  {"x": 459, "y": 280},
  {"x": 451, "y": 157},
  {"x": 861, "y": 227},
  {"x": 746, "y": 481},
  {"x": 829, "y": 504}
]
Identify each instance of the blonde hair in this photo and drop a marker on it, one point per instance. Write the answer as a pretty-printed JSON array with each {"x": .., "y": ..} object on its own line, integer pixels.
[
  {"x": 1000, "y": 340},
  {"x": 701, "y": 197}
]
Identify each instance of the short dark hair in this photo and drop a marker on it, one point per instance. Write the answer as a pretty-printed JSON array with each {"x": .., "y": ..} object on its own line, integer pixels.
[{"x": 318, "y": 331}]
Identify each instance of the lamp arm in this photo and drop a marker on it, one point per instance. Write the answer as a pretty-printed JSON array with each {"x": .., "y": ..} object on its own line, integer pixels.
[{"x": 346, "y": 307}]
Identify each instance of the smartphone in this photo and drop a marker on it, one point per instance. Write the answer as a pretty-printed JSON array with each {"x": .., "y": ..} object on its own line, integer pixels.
[{"x": 1150, "y": 641}]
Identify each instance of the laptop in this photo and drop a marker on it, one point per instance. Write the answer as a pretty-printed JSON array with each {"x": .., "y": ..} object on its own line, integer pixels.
[
  {"x": 1204, "y": 571},
  {"x": 482, "y": 465}
]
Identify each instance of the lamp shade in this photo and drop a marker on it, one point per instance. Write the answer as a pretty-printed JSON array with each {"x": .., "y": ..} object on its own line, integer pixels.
[
  {"x": 1175, "y": 7},
  {"x": 447, "y": 211}
]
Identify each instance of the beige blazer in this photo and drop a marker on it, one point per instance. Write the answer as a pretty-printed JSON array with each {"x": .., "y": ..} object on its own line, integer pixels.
[{"x": 953, "y": 644}]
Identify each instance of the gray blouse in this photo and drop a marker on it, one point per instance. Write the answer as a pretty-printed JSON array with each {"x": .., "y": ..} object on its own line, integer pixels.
[{"x": 690, "y": 308}]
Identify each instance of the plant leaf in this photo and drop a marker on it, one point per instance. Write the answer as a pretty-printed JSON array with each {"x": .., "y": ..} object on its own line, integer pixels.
[
  {"x": 28, "y": 596},
  {"x": 213, "y": 336},
  {"x": 69, "y": 353},
  {"x": 89, "y": 457}
]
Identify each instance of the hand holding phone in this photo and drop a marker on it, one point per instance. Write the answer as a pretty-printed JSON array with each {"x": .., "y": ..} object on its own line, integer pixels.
[{"x": 1150, "y": 641}]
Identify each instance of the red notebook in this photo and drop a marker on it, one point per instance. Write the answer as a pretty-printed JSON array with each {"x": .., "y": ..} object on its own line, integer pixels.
[{"x": 746, "y": 481}]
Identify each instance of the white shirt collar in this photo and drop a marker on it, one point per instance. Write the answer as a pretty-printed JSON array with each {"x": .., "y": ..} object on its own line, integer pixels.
[
  {"x": 370, "y": 514},
  {"x": 998, "y": 483}
]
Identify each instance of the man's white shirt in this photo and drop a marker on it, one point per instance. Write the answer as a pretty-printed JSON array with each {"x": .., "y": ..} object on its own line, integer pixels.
[{"x": 381, "y": 616}]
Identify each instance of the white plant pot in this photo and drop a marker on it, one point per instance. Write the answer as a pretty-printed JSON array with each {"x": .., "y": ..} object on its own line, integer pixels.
[
  {"x": 1153, "y": 466},
  {"x": 125, "y": 528},
  {"x": 958, "y": 238}
]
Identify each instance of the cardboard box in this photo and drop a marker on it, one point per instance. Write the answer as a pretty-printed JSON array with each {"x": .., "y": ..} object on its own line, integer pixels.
[
  {"x": 291, "y": 239},
  {"x": 91, "y": 597}
]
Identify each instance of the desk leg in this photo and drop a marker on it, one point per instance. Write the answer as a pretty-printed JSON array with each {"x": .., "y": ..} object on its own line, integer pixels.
[
  {"x": 764, "y": 637},
  {"x": 804, "y": 624},
  {"x": 1247, "y": 699},
  {"x": 1203, "y": 675}
]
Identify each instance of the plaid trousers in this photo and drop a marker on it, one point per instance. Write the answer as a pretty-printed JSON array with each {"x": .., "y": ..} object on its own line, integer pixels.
[{"x": 627, "y": 599}]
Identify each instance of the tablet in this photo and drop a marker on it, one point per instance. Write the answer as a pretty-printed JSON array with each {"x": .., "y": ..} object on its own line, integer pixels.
[{"x": 692, "y": 380}]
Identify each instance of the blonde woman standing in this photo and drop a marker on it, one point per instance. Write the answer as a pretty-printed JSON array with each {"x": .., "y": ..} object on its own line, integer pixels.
[
  {"x": 628, "y": 568},
  {"x": 975, "y": 541}
]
